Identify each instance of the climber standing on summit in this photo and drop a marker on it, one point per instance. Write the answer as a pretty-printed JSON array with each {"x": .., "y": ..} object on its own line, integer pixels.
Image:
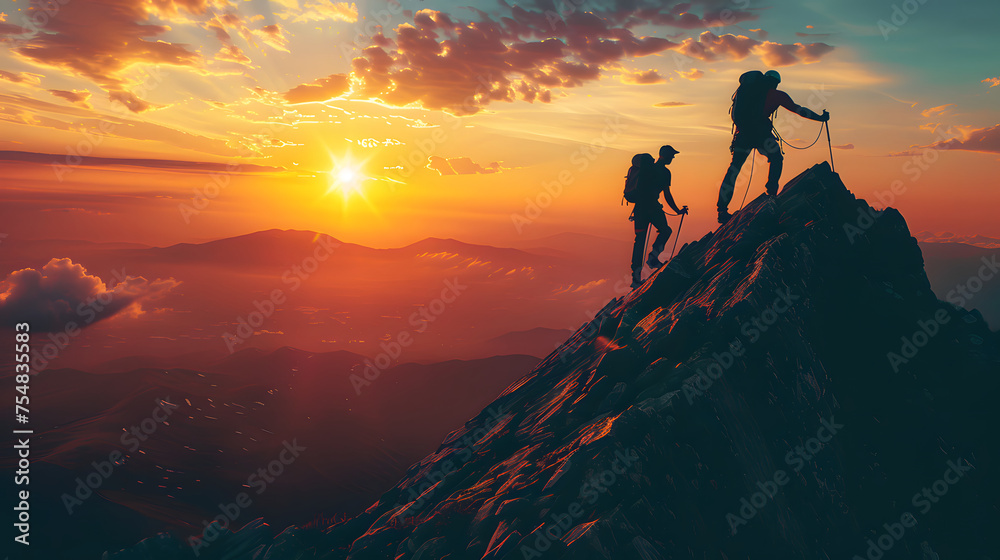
[
  {"x": 645, "y": 181},
  {"x": 754, "y": 102}
]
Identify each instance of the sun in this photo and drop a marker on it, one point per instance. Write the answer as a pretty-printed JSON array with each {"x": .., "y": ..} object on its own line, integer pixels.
[{"x": 347, "y": 178}]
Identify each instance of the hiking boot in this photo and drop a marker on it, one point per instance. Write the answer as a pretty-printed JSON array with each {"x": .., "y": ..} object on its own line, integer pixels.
[
  {"x": 653, "y": 261},
  {"x": 636, "y": 278},
  {"x": 772, "y": 189},
  {"x": 724, "y": 216}
]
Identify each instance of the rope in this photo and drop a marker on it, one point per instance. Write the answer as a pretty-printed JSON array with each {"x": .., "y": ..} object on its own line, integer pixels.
[
  {"x": 753, "y": 158},
  {"x": 649, "y": 233},
  {"x": 818, "y": 135}
]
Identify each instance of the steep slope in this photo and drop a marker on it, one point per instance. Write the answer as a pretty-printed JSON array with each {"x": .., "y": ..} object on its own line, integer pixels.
[{"x": 785, "y": 388}]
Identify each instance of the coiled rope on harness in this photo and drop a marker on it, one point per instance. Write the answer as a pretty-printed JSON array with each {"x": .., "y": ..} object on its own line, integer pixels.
[{"x": 823, "y": 125}]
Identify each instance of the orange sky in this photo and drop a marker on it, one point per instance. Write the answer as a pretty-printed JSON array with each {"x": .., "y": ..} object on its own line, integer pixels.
[{"x": 446, "y": 122}]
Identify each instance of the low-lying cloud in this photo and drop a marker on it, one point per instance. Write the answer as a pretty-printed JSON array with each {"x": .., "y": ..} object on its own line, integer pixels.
[{"x": 62, "y": 292}]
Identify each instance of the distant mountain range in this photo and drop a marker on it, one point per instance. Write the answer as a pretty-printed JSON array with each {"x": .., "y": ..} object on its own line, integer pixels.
[
  {"x": 354, "y": 300},
  {"x": 949, "y": 237}
]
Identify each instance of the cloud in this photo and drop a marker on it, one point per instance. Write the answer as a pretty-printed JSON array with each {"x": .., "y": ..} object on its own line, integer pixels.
[
  {"x": 710, "y": 47},
  {"x": 274, "y": 36},
  {"x": 528, "y": 52},
  {"x": 62, "y": 292},
  {"x": 232, "y": 53},
  {"x": 461, "y": 166},
  {"x": 229, "y": 52},
  {"x": 692, "y": 74},
  {"x": 986, "y": 140},
  {"x": 974, "y": 140},
  {"x": 91, "y": 161},
  {"x": 647, "y": 77},
  {"x": 29, "y": 110},
  {"x": 323, "y": 10},
  {"x": 319, "y": 90},
  {"x": 681, "y": 15},
  {"x": 9, "y": 30},
  {"x": 20, "y": 77},
  {"x": 777, "y": 54},
  {"x": 992, "y": 81},
  {"x": 936, "y": 111},
  {"x": 77, "y": 97},
  {"x": 672, "y": 104},
  {"x": 130, "y": 100},
  {"x": 100, "y": 39},
  {"x": 844, "y": 147}
]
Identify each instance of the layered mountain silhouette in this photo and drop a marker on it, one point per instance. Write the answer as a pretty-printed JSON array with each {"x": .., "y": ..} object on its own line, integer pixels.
[
  {"x": 351, "y": 300},
  {"x": 786, "y": 387}
]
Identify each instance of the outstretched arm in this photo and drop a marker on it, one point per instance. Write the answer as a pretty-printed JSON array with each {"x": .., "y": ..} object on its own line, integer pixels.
[
  {"x": 812, "y": 115},
  {"x": 787, "y": 103}
]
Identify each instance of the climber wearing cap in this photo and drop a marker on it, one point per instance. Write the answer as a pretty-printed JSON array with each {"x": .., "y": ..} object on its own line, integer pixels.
[
  {"x": 648, "y": 210},
  {"x": 753, "y": 104}
]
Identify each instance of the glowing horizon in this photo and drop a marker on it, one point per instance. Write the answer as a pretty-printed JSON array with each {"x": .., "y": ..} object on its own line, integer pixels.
[{"x": 448, "y": 140}]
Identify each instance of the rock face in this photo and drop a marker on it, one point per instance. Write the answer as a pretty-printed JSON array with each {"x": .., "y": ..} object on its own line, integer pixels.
[{"x": 786, "y": 387}]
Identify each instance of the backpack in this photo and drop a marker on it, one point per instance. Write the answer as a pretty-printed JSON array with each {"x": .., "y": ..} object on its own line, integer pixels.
[
  {"x": 637, "y": 177},
  {"x": 748, "y": 104}
]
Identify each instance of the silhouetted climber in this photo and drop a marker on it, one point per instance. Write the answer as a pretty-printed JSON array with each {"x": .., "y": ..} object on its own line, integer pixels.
[
  {"x": 645, "y": 180},
  {"x": 754, "y": 102}
]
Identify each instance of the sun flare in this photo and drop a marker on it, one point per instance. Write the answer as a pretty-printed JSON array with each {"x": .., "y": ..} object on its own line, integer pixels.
[{"x": 347, "y": 178}]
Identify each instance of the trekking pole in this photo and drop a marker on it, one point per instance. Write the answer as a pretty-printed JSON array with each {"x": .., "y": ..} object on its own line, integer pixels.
[
  {"x": 676, "y": 239},
  {"x": 830, "y": 144}
]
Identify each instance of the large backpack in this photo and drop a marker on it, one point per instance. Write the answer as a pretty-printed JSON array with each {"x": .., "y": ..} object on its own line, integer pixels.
[
  {"x": 748, "y": 104},
  {"x": 637, "y": 179}
]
